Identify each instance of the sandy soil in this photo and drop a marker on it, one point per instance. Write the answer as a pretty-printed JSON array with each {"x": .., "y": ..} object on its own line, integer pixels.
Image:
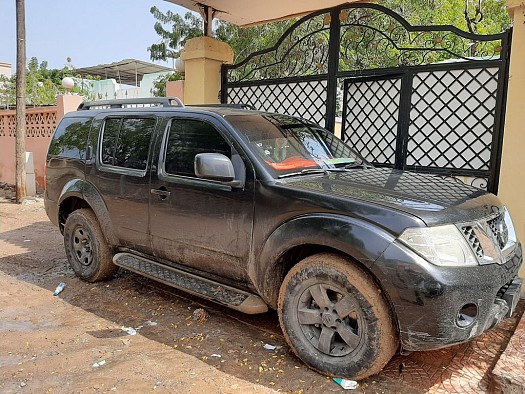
[{"x": 75, "y": 342}]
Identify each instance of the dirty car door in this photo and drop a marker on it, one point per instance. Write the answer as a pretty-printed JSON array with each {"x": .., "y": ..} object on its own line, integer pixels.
[
  {"x": 120, "y": 171},
  {"x": 200, "y": 223}
]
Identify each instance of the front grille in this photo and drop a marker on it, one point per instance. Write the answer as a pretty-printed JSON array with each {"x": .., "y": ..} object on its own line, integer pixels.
[
  {"x": 473, "y": 240},
  {"x": 500, "y": 230},
  {"x": 504, "y": 289}
]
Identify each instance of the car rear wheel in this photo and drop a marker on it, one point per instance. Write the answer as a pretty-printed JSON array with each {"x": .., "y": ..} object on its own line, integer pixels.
[
  {"x": 87, "y": 251},
  {"x": 335, "y": 318}
]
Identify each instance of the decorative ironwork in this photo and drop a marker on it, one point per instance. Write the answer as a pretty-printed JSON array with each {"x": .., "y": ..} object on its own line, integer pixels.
[
  {"x": 375, "y": 37},
  {"x": 478, "y": 182},
  {"x": 301, "y": 51}
]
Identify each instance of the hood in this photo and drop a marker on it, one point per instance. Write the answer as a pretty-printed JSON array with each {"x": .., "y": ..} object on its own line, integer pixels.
[{"x": 430, "y": 198}]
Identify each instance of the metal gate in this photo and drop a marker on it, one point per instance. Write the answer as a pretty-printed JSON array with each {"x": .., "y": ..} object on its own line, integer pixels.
[{"x": 425, "y": 98}]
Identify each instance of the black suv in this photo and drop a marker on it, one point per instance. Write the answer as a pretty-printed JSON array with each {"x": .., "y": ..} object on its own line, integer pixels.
[{"x": 256, "y": 210}]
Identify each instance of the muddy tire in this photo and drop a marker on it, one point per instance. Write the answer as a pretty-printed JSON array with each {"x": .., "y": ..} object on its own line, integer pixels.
[
  {"x": 86, "y": 248},
  {"x": 335, "y": 318}
]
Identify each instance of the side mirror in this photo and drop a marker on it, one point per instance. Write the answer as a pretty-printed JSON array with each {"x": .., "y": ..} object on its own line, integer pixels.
[{"x": 216, "y": 167}]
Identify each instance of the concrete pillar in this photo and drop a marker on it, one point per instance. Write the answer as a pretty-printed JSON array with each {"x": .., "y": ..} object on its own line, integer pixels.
[
  {"x": 30, "y": 175},
  {"x": 512, "y": 174},
  {"x": 67, "y": 103},
  {"x": 203, "y": 57}
]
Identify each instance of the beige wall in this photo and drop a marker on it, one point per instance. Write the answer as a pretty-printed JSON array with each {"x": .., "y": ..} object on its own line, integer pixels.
[
  {"x": 512, "y": 175},
  {"x": 40, "y": 123}
]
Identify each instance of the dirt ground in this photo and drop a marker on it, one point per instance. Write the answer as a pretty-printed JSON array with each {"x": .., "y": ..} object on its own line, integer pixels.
[{"x": 81, "y": 341}]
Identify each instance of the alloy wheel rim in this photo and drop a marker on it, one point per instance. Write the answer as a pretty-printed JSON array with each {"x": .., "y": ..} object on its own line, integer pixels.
[
  {"x": 330, "y": 319},
  {"x": 82, "y": 246}
]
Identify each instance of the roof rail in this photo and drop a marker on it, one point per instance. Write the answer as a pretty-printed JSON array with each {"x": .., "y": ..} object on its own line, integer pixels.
[
  {"x": 132, "y": 103},
  {"x": 237, "y": 106}
]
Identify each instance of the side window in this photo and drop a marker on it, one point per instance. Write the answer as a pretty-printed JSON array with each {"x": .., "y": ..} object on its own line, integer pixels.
[
  {"x": 109, "y": 140},
  {"x": 126, "y": 141},
  {"x": 70, "y": 138},
  {"x": 187, "y": 138}
]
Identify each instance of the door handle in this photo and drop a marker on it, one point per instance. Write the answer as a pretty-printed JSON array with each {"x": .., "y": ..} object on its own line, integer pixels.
[{"x": 162, "y": 192}]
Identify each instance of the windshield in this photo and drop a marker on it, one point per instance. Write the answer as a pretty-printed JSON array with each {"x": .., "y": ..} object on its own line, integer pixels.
[{"x": 289, "y": 145}]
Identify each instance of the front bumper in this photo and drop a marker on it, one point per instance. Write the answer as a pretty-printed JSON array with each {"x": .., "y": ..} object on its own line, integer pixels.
[{"x": 430, "y": 301}]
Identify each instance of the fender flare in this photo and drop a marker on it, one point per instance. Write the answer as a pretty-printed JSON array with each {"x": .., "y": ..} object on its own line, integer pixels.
[
  {"x": 85, "y": 191},
  {"x": 361, "y": 240}
]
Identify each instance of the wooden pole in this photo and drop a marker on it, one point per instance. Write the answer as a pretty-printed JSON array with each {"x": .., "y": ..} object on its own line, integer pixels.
[{"x": 20, "y": 131}]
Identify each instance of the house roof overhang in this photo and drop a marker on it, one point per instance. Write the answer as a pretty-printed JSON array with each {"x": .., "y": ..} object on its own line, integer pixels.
[{"x": 253, "y": 12}]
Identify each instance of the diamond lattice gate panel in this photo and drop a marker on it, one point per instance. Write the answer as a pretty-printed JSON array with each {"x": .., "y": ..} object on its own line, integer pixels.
[
  {"x": 306, "y": 99},
  {"x": 439, "y": 119},
  {"x": 371, "y": 109},
  {"x": 452, "y": 119}
]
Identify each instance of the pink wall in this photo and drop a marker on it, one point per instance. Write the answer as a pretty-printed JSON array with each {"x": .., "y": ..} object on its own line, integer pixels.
[
  {"x": 40, "y": 123},
  {"x": 175, "y": 89}
]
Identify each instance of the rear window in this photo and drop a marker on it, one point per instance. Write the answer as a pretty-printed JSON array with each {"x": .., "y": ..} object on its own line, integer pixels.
[
  {"x": 70, "y": 138},
  {"x": 126, "y": 142}
]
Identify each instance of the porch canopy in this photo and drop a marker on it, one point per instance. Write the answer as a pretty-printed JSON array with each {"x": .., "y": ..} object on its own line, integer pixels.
[
  {"x": 128, "y": 71},
  {"x": 252, "y": 12}
]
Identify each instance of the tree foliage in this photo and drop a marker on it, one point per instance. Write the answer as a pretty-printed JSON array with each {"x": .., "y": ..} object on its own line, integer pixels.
[
  {"x": 174, "y": 30},
  {"x": 42, "y": 84},
  {"x": 246, "y": 40},
  {"x": 159, "y": 84},
  {"x": 494, "y": 16}
]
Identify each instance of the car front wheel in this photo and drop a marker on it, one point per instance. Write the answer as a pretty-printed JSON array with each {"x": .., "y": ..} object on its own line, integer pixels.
[{"x": 335, "y": 318}]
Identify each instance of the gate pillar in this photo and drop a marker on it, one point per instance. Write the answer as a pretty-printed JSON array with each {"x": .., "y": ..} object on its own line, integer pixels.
[
  {"x": 203, "y": 57},
  {"x": 512, "y": 179}
]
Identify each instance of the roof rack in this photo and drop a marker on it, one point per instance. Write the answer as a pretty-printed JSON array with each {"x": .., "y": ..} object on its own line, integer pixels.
[
  {"x": 132, "y": 103},
  {"x": 237, "y": 106}
]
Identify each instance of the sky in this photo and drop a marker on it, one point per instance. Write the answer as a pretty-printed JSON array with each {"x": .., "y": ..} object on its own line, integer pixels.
[{"x": 90, "y": 32}]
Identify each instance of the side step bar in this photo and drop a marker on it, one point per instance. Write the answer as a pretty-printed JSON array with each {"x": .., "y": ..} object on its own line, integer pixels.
[{"x": 225, "y": 295}]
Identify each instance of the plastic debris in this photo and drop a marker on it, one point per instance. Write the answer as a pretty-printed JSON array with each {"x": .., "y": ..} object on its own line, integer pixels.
[
  {"x": 129, "y": 330},
  {"x": 346, "y": 383},
  {"x": 59, "y": 289},
  {"x": 151, "y": 323},
  {"x": 216, "y": 355},
  {"x": 271, "y": 347},
  {"x": 200, "y": 315},
  {"x": 99, "y": 364}
]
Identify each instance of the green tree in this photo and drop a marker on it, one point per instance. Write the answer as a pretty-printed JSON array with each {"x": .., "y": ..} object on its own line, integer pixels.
[
  {"x": 159, "y": 84},
  {"x": 495, "y": 17},
  {"x": 174, "y": 30},
  {"x": 247, "y": 40}
]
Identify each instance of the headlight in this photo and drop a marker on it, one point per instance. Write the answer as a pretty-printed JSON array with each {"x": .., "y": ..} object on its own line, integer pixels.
[
  {"x": 511, "y": 233},
  {"x": 441, "y": 245}
]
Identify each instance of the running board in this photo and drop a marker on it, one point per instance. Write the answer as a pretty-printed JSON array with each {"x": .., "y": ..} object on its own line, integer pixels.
[{"x": 225, "y": 295}]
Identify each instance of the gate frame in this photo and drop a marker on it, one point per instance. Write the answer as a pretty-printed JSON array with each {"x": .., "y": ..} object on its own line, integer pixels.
[{"x": 334, "y": 75}]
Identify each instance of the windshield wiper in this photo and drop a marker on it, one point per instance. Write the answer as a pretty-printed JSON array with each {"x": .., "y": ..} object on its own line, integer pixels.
[{"x": 307, "y": 171}]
